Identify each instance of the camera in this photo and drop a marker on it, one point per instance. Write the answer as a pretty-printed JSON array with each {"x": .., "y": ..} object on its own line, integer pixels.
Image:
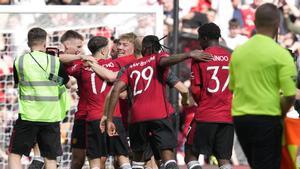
[{"x": 52, "y": 51}]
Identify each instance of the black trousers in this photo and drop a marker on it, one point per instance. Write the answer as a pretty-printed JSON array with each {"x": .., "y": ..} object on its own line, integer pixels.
[{"x": 260, "y": 138}]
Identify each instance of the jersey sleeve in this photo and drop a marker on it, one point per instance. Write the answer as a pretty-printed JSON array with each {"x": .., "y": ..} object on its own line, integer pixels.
[
  {"x": 287, "y": 76},
  {"x": 195, "y": 81},
  {"x": 196, "y": 74},
  {"x": 161, "y": 55},
  {"x": 74, "y": 70}
]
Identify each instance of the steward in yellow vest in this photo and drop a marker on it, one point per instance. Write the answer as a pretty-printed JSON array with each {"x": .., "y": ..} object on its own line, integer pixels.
[{"x": 43, "y": 102}]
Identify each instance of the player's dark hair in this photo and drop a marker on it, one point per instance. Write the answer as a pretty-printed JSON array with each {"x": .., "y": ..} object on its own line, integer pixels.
[
  {"x": 70, "y": 34},
  {"x": 116, "y": 41},
  {"x": 151, "y": 45},
  {"x": 267, "y": 15},
  {"x": 96, "y": 43},
  {"x": 209, "y": 30},
  {"x": 36, "y": 35}
]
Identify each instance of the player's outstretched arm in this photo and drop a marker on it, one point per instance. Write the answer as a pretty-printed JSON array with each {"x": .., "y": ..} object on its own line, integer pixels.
[
  {"x": 197, "y": 55},
  {"x": 68, "y": 58},
  {"x": 104, "y": 73},
  {"x": 119, "y": 86},
  {"x": 184, "y": 92}
]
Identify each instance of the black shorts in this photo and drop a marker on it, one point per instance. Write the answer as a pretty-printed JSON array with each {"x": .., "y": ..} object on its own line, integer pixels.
[
  {"x": 155, "y": 133},
  {"x": 118, "y": 145},
  {"x": 210, "y": 139},
  {"x": 96, "y": 146},
  {"x": 26, "y": 134},
  {"x": 260, "y": 137},
  {"x": 150, "y": 151},
  {"x": 78, "y": 138}
]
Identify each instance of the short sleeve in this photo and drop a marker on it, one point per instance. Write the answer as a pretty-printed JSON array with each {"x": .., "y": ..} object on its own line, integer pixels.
[
  {"x": 74, "y": 70},
  {"x": 287, "y": 76},
  {"x": 161, "y": 55},
  {"x": 195, "y": 73}
]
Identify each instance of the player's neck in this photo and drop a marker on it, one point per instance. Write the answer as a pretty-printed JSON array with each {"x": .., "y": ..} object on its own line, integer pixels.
[
  {"x": 38, "y": 48},
  {"x": 138, "y": 56},
  {"x": 99, "y": 56},
  {"x": 212, "y": 43},
  {"x": 267, "y": 32}
]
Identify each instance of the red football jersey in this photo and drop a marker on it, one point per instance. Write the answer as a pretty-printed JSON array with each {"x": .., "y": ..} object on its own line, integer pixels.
[
  {"x": 123, "y": 106},
  {"x": 146, "y": 83},
  {"x": 96, "y": 89},
  {"x": 69, "y": 66},
  {"x": 210, "y": 85},
  {"x": 125, "y": 60},
  {"x": 74, "y": 69}
]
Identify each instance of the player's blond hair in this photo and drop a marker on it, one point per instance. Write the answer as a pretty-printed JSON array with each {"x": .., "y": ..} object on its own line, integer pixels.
[{"x": 130, "y": 37}]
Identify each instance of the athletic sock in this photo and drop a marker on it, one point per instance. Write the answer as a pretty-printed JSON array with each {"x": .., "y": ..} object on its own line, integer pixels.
[
  {"x": 226, "y": 166},
  {"x": 137, "y": 165},
  {"x": 193, "y": 165},
  {"x": 125, "y": 166},
  {"x": 171, "y": 164}
]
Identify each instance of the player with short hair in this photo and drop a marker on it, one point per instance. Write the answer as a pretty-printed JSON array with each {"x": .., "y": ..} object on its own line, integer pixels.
[
  {"x": 118, "y": 146},
  {"x": 95, "y": 88},
  {"x": 211, "y": 132},
  {"x": 40, "y": 102},
  {"x": 148, "y": 114},
  {"x": 72, "y": 43}
]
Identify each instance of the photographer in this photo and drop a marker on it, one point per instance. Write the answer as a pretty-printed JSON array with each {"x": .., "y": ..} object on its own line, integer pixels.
[{"x": 40, "y": 78}]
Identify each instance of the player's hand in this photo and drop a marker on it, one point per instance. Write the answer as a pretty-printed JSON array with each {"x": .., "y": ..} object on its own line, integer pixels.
[
  {"x": 102, "y": 124},
  {"x": 200, "y": 55},
  {"x": 88, "y": 58},
  {"x": 185, "y": 101},
  {"x": 111, "y": 129}
]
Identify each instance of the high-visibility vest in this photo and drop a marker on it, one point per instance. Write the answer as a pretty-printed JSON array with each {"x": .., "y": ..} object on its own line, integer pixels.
[{"x": 40, "y": 99}]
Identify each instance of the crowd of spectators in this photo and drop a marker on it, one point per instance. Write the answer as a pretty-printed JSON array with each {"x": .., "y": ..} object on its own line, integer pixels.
[{"x": 235, "y": 18}]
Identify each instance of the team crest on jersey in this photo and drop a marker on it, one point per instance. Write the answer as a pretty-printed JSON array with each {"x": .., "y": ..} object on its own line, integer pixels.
[
  {"x": 74, "y": 67},
  {"x": 88, "y": 69}
]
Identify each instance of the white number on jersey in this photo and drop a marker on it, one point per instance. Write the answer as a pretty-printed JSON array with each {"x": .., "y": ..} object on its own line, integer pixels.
[
  {"x": 93, "y": 82},
  {"x": 144, "y": 77},
  {"x": 216, "y": 79}
]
